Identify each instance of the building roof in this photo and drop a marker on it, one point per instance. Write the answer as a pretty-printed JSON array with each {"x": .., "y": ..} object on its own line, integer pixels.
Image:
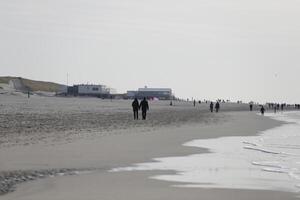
[
  {"x": 91, "y": 85},
  {"x": 155, "y": 90}
]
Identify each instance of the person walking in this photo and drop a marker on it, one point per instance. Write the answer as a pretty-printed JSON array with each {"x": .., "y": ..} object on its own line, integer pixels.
[
  {"x": 135, "y": 107},
  {"x": 145, "y": 107},
  {"x": 262, "y": 110},
  {"x": 217, "y": 107},
  {"x": 251, "y": 106},
  {"x": 211, "y": 106}
]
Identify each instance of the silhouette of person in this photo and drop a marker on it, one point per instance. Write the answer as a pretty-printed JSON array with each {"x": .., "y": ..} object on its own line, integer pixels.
[
  {"x": 251, "y": 107},
  {"x": 145, "y": 107},
  {"x": 217, "y": 107},
  {"x": 211, "y": 106},
  {"x": 262, "y": 110},
  {"x": 194, "y": 103},
  {"x": 135, "y": 107}
]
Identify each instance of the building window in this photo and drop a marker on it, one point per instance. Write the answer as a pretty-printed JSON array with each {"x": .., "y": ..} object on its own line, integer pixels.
[{"x": 95, "y": 89}]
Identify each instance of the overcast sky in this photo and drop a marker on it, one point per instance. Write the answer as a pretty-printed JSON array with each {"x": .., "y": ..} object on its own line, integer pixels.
[{"x": 231, "y": 49}]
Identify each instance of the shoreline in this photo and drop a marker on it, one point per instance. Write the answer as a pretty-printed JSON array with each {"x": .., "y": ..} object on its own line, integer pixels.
[
  {"x": 251, "y": 159},
  {"x": 143, "y": 147}
]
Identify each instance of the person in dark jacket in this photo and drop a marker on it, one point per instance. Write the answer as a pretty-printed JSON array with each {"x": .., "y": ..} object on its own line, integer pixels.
[
  {"x": 217, "y": 106},
  {"x": 135, "y": 107},
  {"x": 145, "y": 107},
  {"x": 211, "y": 107},
  {"x": 262, "y": 110}
]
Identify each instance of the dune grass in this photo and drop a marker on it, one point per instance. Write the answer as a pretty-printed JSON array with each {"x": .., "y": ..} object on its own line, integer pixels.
[
  {"x": 41, "y": 85},
  {"x": 33, "y": 85},
  {"x": 5, "y": 79}
]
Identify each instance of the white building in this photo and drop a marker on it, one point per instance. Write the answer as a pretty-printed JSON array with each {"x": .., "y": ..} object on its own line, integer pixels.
[
  {"x": 89, "y": 90},
  {"x": 160, "y": 93}
]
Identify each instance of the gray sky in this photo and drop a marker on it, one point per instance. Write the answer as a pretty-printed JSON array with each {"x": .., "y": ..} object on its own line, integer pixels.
[{"x": 231, "y": 49}]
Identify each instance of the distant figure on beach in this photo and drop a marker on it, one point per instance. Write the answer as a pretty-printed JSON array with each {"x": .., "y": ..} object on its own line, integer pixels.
[
  {"x": 262, "y": 110},
  {"x": 211, "y": 106},
  {"x": 251, "y": 106},
  {"x": 217, "y": 107},
  {"x": 135, "y": 107},
  {"x": 145, "y": 107},
  {"x": 194, "y": 103},
  {"x": 277, "y": 106}
]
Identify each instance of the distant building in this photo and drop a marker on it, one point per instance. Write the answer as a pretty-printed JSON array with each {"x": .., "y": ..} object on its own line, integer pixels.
[
  {"x": 89, "y": 90},
  {"x": 131, "y": 94},
  {"x": 151, "y": 93}
]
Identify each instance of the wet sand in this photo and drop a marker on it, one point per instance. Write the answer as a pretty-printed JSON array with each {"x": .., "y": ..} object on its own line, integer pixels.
[{"x": 99, "y": 151}]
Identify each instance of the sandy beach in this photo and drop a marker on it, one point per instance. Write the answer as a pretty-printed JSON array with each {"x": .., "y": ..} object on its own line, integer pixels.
[
  {"x": 221, "y": 78},
  {"x": 64, "y": 148}
]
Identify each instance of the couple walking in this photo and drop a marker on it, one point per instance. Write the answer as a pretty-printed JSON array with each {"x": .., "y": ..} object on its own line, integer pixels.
[
  {"x": 217, "y": 106},
  {"x": 136, "y": 107}
]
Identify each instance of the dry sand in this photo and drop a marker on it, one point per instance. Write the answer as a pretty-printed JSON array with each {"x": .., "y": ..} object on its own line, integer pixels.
[
  {"x": 96, "y": 136},
  {"x": 28, "y": 121}
]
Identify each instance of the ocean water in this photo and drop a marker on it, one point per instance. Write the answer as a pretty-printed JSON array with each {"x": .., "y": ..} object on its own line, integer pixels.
[{"x": 269, "y": 161}]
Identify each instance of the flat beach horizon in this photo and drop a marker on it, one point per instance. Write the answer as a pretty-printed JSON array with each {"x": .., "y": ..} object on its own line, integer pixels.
[{"x": 65, "y": 148}]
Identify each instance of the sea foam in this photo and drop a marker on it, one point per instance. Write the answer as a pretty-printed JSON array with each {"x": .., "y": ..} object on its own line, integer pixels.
[{"x": 270, "y": 161}]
